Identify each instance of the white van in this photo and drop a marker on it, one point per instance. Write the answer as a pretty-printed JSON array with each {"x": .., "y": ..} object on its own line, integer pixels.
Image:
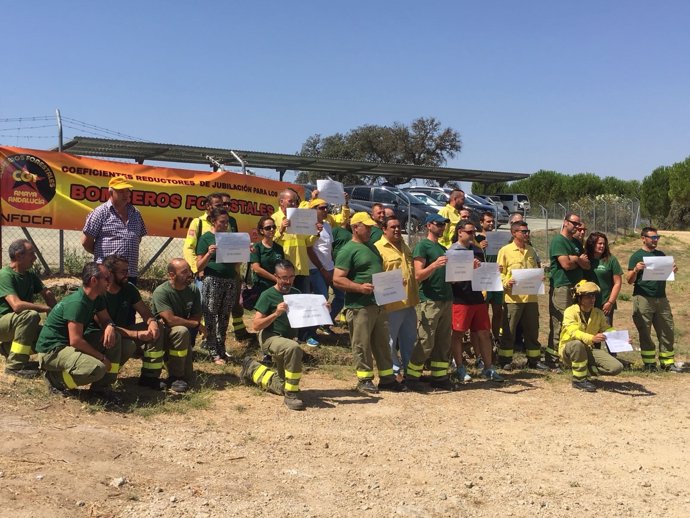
[{"x": 515, "y": 202}]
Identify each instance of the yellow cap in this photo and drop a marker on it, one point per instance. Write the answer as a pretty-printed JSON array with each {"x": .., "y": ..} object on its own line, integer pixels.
[
  {"x": 317, "y": 202},
  {"x": 118, "y": 183},
  {"x": 363, "y": 218},
  {"x": 584, "y": 286}
]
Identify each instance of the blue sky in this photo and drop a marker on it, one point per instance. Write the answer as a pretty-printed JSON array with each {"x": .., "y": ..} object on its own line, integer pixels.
[{"x": 588, "y": 86}]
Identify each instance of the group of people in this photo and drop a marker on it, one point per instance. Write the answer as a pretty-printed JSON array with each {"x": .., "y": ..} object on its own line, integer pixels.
[{"x": 414, "y": 344}]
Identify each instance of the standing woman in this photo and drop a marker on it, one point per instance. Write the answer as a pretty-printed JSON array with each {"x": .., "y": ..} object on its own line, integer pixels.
[
  {"x": 265, "y": 254},
  {"x": 606, "y": 271},
  {"x": 219, "y": 285}
]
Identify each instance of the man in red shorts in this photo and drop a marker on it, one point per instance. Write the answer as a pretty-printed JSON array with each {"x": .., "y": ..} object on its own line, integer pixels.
[{"x": 470, "y": 312}]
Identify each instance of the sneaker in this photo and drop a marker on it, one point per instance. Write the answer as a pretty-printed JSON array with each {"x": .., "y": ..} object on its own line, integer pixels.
[
  {"x": 506, "y": 366},
  {"x": 479, "y": 363},
  {"x": 393, "y": 386},
  {"x": 650, "y": 367},
  {"x": 245, "y": 377},
  {"x": 367, "y": 387},
  {"x": 23, "y": 373},
  {"x": 293, "y": 402},
  {"x": 671, "y": 368},
  {"x": 326, "y": 331},
  {"x": 179, "y": 386},
  {"x": 491, "y": 375},
  {"x": 585, "y": 385},
  {"x": 312, "y": 342},
  {"x": 463, "y": 377},
  {"x": 152, "y": 383},
  {"x": 444, "y": 384},
  {"x": 537, "y": 365}
]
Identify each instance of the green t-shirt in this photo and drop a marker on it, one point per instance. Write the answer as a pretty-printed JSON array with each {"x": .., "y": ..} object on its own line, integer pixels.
[
  {"x": 435, "y": 286},
  {"x": 118, "y": 305},
  {"x": 376, "y": 234},
  {"x": 183, "y": 303},
  {"x": 267, "y": 259},
  {"x": 561, "y": 245},
  {"x": 214, "y": 269},
  {"x": 341, "y": 236},
  {"x": 642, "y": 287},
  {"x": 267, "y": 304},
  {"x": 602, "y": 273},
  {"x": 23, "y": 285},
  {"x": 76, "y": 307},
  {"x": 361, "y": 261}
]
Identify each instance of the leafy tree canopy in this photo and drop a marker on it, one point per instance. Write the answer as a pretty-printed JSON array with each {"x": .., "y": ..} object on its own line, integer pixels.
[
  {"x": 423, "y": 142},
  {"x": 654, "y": 193}
]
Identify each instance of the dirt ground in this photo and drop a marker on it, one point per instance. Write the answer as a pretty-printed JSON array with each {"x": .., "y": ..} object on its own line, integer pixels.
[{"x": 530, "y": 447}]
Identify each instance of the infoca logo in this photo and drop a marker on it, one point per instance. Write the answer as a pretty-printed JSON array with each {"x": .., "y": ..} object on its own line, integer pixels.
[{"x": 27, "y": 182}]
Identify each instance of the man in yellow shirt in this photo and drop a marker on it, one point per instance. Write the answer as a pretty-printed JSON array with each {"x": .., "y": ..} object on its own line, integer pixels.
[
  {"x": 452, "y": 213},
  {"x": 402, "y": 316},
  {"x": 520, "y": 310},
  {"x": 582, "y": 334}
]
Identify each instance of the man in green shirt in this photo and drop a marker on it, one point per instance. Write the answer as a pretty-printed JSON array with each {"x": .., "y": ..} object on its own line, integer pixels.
[
  {"x": 435, "y": 311},
  {"x": 568, "y": 264},
  {"x": 68, "y": 358},
  {"x": 178, "y": 305},
  {"x": 277, "y": 339},
  {"x": 19, "y": 315},
  {"x": 378, "y": 214},
  {"x": 368, "y": 323},
  {"x": 651, "y": 307},
  {"x": 121, "y": 297}
]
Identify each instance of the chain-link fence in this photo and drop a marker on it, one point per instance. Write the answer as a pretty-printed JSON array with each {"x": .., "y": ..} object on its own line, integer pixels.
[{"x": 60, "y": 252}]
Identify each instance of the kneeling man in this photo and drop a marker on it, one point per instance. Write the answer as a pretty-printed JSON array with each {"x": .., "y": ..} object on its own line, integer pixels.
[
  {"x": 277, "y": 338},
  {"x": 582, "y": 335}
]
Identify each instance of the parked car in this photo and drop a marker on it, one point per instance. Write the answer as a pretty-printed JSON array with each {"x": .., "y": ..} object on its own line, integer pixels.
[
  {"x": 515, "y": 202},
  {"x": 428, "y": 200},
  {"x": 501, "y": 216},
  {"x": 406, "y": 206},
  {"x": 437, "y": 193}
]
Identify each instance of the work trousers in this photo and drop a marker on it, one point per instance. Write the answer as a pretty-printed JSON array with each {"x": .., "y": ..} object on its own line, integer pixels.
[
  {"x": 178, "y": 352},
  {"x": 369, "y": 339},
  {"x": 654, "y": 312},
  {"x": 219, "y": 294},
  {"x": 584, "y": 361},
  {"x": 559, "y": 299},
  {"x": 520, "y": 314},
  {"x": 237, "y": 312},
  {"x": 154, "y": 351},
  {"x": 434, "y": 329},
  {"x": 69, "y": 368},
  {"x": 18, "y": 334},
  {"x": 287, "y": 358}
]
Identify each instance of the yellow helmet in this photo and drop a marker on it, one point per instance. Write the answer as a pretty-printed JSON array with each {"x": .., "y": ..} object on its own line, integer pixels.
[{"x": 585, "y": 286}]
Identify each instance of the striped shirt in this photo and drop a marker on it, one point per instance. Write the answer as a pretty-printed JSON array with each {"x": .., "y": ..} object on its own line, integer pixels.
[{"x": 113, "y": 236}]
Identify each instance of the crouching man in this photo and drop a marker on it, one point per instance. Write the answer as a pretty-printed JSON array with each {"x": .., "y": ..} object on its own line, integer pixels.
[
  {"x": 121, "y": 297},
  {"x": 68, "y": 359},
  {"x": 19, "y": 314},
  {"x": 277, "y": 338},
  {"x": 582, "y": 336},
  {"x": 178, "y": 305}
]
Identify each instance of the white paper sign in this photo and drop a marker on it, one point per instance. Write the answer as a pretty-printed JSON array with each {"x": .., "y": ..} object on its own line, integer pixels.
[
  {"x": 307, "y": 311},
  {"x": 460, "y": 265},
  {"x": 658, "y": 268},
  {"x": 618, "y": 341},
  {"x": 233, "y": 247},
  {"x": 388, "y": 287},
  {"x": 528, "y": 281},
  {"x": 496, "y": 240},
  {"x": 302, "y": 221},
  {"x": 331, "y": 191},
  {"x": 486, "y": 278}
]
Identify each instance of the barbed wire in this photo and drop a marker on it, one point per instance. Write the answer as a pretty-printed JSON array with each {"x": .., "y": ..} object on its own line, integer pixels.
[{"x": 68, "y": 122}]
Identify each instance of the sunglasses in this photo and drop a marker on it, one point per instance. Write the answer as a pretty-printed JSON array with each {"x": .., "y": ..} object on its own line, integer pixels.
[
  {"x": 574, "y": 223},
  {"x": 439, "y": 223},
  {"x": 525, "y": 231},
  {"x": 269, "y": 227},
  {"x": 467, "y": 231},
  {"x": 653, "y": 238}
]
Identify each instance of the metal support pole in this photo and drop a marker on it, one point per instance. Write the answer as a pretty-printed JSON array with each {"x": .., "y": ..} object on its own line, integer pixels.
[
  {"x": 38, "y": 252},
  {"x": 61, "y": 233},
  {"x": 156, "y": 255}
]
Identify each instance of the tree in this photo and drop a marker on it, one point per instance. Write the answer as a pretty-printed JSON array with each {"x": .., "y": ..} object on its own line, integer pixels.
[
  {"x": 423, "y": 142},
  {"x": 654, "y": 193},
  {"x": 543, "y": 187},
  {"x": 583, "y": 185},
  {"x": 490, "y": 188},
  {"x": 678, "y": 216}
]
